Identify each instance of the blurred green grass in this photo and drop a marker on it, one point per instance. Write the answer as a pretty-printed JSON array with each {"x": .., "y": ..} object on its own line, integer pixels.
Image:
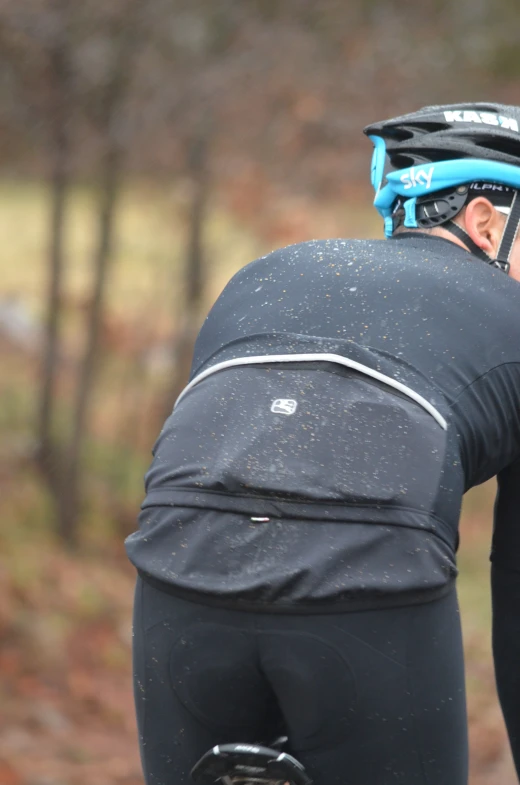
[
  {"x": 149, "y": 247},
  {"x": 151, "y": 231}
]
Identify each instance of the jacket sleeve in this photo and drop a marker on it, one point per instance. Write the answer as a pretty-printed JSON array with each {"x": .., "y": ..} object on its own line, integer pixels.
[{"x": 505, "y": 588}]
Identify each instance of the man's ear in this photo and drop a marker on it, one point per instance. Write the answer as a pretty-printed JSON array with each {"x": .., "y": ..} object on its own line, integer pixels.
[{"x": 484, "y": 225}]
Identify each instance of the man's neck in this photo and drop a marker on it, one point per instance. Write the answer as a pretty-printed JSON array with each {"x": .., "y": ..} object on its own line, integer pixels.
[{"x": 438, "y": 231}]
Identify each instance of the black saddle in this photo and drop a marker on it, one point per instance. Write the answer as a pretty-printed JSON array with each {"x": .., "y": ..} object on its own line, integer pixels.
[{"x": 249, "y": 764}]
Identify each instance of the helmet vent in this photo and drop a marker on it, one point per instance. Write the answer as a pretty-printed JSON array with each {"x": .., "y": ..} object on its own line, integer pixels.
[{"x": 507, "y": 146}]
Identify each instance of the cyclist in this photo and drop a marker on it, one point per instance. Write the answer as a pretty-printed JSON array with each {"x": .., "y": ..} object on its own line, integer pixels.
[{"x": 296, "y": 547}]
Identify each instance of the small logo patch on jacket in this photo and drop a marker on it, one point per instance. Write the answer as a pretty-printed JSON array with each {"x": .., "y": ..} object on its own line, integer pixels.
[{"x": 284, "y": 406}]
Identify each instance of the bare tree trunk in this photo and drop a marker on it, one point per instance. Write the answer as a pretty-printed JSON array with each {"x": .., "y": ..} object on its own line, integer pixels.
[
  {"x": 70, "y": 499},
  {"x": 109, "y": 191},
  {"x": 194, "y": 265},
  {"x": 60, "y": 77}
]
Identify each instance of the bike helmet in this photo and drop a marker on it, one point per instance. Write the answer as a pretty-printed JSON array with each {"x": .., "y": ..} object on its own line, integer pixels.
[{"x": 428, "y": 164}]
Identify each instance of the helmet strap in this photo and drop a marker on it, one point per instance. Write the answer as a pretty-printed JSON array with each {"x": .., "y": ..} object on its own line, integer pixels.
[
  {"x": 509, "y": 235},
  {"x": 470, "y": 244}
]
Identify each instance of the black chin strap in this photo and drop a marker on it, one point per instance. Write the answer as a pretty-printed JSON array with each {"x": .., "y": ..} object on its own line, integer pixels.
[
  {"x": 462, "y": 234},
  {"x": 507, "y": 240},
  {"x": 509, "y": 235}
]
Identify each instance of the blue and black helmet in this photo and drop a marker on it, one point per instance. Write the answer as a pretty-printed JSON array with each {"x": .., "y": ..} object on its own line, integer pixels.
[{"x": 428, "y": 164}]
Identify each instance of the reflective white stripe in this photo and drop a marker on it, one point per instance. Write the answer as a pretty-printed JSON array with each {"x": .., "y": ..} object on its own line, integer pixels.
[{"x": 319, "y": 358}]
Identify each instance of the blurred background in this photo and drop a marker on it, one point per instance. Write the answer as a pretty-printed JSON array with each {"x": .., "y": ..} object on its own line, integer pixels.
[{"x": 148, "y": 149}]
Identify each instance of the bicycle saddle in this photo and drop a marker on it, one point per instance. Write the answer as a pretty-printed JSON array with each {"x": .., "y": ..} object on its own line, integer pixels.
[{"x": 248, "y": 764}]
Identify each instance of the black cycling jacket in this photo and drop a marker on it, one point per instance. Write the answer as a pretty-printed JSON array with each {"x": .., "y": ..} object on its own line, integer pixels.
[{"x": 361, "y": 388}]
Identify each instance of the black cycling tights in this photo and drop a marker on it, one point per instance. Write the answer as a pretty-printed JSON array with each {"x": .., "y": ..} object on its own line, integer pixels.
[{"x": 366, "y": 698}]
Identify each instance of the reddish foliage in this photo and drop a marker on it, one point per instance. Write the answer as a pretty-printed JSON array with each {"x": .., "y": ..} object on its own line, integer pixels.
[
  {"x": 8, "y": 775},
  {"x": 67, "y": 715}
]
